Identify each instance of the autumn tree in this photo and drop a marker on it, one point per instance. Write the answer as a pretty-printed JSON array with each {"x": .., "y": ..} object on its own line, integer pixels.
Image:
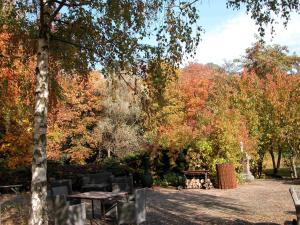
[
  {"x": 282, "y": 91},
  {"x": 177, "y": 120},
  {"x": 265, "y": 59},
  {"x": 15, "y": 102},
  {"x": 73, "y": 135},
  {"x": 268, "y": 66},
  {"x": 227, "y": 126},
  {"x": 80, "y": 34}
]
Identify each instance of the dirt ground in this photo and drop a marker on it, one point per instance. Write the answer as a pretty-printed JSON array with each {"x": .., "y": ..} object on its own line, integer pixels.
[{"x": 260, "y": 202}]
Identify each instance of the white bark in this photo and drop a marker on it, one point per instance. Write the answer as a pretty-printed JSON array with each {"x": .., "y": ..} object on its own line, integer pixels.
[
  {"x": 38, "y": 214},
  {"x": 39, "y": 162}
]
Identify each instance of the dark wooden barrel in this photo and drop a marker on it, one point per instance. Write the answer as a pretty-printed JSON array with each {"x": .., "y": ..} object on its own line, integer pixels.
[{"x": 226, "y": 176}]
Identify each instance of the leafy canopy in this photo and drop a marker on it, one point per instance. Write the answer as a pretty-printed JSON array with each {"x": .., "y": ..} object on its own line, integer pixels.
[{"x": 114, "y": 35}]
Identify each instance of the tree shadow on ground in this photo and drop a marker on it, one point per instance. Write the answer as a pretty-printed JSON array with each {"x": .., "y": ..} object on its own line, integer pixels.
[
  {"x": 158, "y": 216},
  {"x": 183, "y": 208},
  {"x": 14, "y": 209},
  {"x": 291, "y": 181},
  {"x": 188, "y": 201}
]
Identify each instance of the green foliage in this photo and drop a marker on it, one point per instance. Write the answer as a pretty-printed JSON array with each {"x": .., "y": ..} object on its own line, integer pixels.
[
  {"x": 170, "y": 179},
  {"x": 130, "y": 164},
  {"x": 114, "y": 165},
  {"x": 118, "y": 32},
  {"x": 264, "y": 59},
  {"x": 200, "y": 156}
]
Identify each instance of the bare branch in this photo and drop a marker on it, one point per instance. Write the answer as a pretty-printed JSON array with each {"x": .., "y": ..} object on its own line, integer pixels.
[
  {"x": 127, "y": 83},
  {"x": 66, "y": 42},
  {"x": 57, "y": 10},
  {"x": 61, "y": 21},
  {"x": 70, "y": 43},
  {"x": 73, "y": 4}
]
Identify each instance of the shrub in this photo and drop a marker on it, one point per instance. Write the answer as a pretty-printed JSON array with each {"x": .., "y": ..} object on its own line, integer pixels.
[{"x": 170, "y": 179}]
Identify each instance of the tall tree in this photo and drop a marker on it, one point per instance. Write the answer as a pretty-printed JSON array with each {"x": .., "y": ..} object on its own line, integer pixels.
[
  {"x": 271, "y": 67},
  {"x": 82, "y": 33}
]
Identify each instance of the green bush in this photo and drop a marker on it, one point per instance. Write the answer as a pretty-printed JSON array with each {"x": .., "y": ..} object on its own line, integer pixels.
[
  {"x": 170, "y": 179},
  {"x": 160, "y": 182},
  {"x": 114, "y": 166}
]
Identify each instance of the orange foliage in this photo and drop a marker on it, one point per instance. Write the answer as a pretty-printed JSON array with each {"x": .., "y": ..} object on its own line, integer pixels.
[
  {"x": 16, "y": 97},
  {"x": 186, "y": 98},
  {"x": 195, "y": 83},
  {"x": 73, "y": 134}
]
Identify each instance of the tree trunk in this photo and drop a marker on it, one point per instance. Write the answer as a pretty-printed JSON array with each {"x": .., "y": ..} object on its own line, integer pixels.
[
  {"x": 260, "y": 165},
  {"x": 293, "y": 167},
  {"x": 273, "y": 162},
  {"x": 279, "y": 159},
  {"x": 38, "y": 214},
  {"x": 39, "y": 162}
]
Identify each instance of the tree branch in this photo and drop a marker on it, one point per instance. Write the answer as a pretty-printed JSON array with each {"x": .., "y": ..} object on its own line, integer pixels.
[
  {"x": 73, "y": 4},
  {"x": 57, "y": 10},
  {"x": 67, "y": 42},
  {"x": 60, "y": 21},
  {"x": 127, "y": 83},
  {"x": 70, "y": 43}
]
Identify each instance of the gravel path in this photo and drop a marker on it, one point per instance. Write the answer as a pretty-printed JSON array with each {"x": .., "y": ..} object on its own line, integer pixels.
[{"x": 259, "y": 202}]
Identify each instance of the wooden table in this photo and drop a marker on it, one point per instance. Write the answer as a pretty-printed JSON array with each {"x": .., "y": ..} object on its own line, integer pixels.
[
  {"x": 101, "y": 196},
  {"x": 15, "y": 187}
]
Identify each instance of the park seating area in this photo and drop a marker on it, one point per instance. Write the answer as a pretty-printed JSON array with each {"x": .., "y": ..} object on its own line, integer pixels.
[
  {"x": 262, "y": 202},
  {"x": 111, "y": 198}
]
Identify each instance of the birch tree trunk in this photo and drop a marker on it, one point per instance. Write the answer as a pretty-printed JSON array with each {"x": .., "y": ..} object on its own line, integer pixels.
[{"x": 39, "y": 163}]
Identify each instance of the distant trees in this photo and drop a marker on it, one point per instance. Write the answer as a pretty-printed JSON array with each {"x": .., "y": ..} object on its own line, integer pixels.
[
  {"x": 95, "y": 118},
  {"x": 206, "y": 113},
  {"x": 120, "y": 124},
  {"x": 264, "y": 59}
]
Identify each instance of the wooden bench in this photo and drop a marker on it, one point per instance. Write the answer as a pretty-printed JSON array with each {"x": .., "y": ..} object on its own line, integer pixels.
[
  {"x": 296, "y": 203},
  {"x": 97, "y": 182},
  {"x": 15, "y": 188}
]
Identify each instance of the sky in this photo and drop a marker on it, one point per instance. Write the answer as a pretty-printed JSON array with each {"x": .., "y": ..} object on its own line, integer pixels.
[{"x": 228, "y": 33}]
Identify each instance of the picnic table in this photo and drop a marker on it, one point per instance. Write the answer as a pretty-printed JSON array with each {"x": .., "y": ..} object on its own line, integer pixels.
[
  {"x": 101, "y": 196},
  {"x": 14, "y": 187}
]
